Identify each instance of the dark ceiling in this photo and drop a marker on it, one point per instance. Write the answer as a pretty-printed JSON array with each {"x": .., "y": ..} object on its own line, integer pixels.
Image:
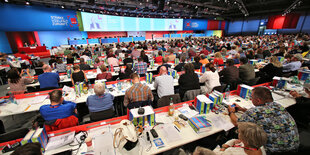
[{"x": 227, "y": 9}]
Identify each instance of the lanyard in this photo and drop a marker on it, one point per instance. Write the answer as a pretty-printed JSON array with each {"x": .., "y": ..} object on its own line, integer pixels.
[{"x": 248, "y": 148}]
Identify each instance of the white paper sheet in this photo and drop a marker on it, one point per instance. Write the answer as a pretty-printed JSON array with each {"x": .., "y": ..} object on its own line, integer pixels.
[
  {"x": 171, "y": 134},
  {"x": 103, "y": 144},
  {"x": 220, "y": 122},
  {"x": 61, "y": 140}
]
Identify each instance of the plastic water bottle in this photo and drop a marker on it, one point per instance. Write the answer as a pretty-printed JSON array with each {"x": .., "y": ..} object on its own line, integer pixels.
[
  {"x": 119, "y": 85},
  {"x": 171, "y": 108},
  {"x": 12, "y": 98},
  {"x": 227, "y": 93}
]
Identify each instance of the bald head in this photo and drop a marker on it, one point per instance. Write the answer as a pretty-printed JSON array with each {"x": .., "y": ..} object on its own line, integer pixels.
[
  {"x": 163, "y": 70},
  {"x": 46, "y": 68}
]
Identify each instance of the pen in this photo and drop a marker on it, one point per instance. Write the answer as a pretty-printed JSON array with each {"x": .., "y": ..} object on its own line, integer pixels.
[
  {"x": 27, "y": 108},
  {"x": 177, "y": 128}
]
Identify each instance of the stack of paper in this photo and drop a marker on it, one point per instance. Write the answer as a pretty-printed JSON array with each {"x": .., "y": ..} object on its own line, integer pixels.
[{"x": 61, "y": 140}]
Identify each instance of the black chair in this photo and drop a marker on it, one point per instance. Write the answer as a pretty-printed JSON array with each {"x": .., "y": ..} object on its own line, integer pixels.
[
  {"x": 220, "y": 88},
  {"x": 165, "y": 100},
  {"x": 191, "y": 94},
  {"x": 13, "y": 135},
  {"x": 252, "y": 82},
  {"x": 47, "y": 88},
  {"x": 138, "y": 104},
  {"x": 102, "y": 115}
]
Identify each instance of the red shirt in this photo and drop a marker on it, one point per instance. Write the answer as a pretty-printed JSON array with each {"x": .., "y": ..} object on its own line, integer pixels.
[
  {"x": 104, "y": 75},
  {"x": 205, "y": 52},
  {"x": 159, "y": 59},
  {"x": 22, "y": 56},
  {"x": 218, "y": 61}
]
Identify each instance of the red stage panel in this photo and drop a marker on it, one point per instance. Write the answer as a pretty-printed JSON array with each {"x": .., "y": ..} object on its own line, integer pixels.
[
  {"x": 283, "y": 22},
  {"x": 213, "y": 25},
  {"x": 106, "y": 34}
]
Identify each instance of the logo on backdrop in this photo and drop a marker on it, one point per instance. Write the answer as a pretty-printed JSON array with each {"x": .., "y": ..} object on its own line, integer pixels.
[{"x": 62, "y": 21}]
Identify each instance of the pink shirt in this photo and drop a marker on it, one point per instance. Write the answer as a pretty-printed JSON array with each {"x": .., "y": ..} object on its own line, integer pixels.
[
  {"x": 98, "y": 64},
  {"x": 113, "y": 61}
]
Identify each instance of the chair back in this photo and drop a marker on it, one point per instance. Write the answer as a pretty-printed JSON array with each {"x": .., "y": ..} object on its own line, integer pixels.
[
  {"x": 102, "y": 115},
  {"x": 138, "y": 104},
  {"x": 165, "y": 100},
  {"x": 191, "y": 94},
  {"x": 62, "y": 123},
  {"x": 220, "y": 88},
  {"x": 253, "y": 82}
]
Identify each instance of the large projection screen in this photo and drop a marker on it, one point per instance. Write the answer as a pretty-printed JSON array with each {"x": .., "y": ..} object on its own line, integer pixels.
[{"x": 99, "y": 22}]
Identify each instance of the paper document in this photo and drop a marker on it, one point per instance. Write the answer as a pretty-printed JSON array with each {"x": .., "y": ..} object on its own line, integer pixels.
[
  {"x": 188, "y": 112},
  {"x": 61, "y": 140},
  {"x": 32, "y": 100},
  {"x": 99, "y": 130},
  {"x": 104, "y": 144},
  {"x": 220, "y": 122},
  {"x": 171, "y": 134},
  {"x": 276, "y": 96}
]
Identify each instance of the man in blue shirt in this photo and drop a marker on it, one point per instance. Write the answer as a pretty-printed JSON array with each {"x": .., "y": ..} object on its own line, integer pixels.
[
  {"x": 48, "y": 79},
  {"x": 58, "y": 109},
  {"x": 101, "y": 101}
]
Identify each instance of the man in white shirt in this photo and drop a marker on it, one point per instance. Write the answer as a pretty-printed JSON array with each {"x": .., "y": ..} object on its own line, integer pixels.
[
  {"x": 164, "y": 83},
  {"x": 294, "y": 65},
  {"x": 232, "y": 51}
]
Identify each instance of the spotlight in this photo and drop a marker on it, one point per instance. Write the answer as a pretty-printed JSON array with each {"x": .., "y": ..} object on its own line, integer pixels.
[
  {"x": 27, "y": 3},
  {"x": 6, "y": 1},
  {"x": 62, "y": 7}
]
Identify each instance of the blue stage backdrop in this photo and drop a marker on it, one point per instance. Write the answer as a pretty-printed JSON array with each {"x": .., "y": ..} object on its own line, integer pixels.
[
  {"x": 4, "y": 44},
  {"x": 195, "y": 24},
  {"x": 36, "y": 18}
]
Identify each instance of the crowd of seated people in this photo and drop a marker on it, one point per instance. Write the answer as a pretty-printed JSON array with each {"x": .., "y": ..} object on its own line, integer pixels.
[{"x": 226, "y": 61}]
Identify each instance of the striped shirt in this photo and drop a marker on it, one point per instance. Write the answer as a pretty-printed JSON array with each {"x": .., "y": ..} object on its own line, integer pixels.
[
  {"x": 140, "y": 68},
  {"x": 138, "y": 92}
]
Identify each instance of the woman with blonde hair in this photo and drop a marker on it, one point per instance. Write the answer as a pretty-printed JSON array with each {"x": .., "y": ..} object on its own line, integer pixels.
[
  {"x": 251, "y": 140},
  {"x": 218, "y": 59},
  {"x": 272, "y": 69}
]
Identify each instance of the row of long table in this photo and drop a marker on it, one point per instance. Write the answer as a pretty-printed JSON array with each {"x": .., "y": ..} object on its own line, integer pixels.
[{"x": 175, "y": 139}]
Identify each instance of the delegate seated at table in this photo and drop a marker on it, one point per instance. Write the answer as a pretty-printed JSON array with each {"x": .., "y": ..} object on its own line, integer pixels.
[
  {"x": 246, "y": 70},
  {"x": 189, "y": 80},
  {"x": 164, "y": 83},
  {"x": 279, "y": 125},
  {"x": 104, "y": 74},
  {"x": 196, "y": 63},
  {"x": 159, "y": 58},
  {"x": 300, "y": 111},
  {"x": 138, "y": 92},
  {"x": 83, "y": 65},
  {"x": 48, "y": 79},
  {"x": 211, "y": 79},
  {"x": 127, "y": 60},
  {"x": 78, "y": 75},
  {"x": 180, "y": 66},
  {"x": 17, "y": 82},
  {"x": 99, "y": 103},
  {"x": 61, "y": 67},
  {"x": 125, "y": 74},
  {"x": 60, "y": 113},
  {"x": 140, "y": 68},
  {"x": 251, "y": 140},
  {"x": 164, "y": 64},
  {"x": 230, "y": 74}
]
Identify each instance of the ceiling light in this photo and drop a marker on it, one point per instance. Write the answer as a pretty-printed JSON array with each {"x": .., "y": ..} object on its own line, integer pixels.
[
  {"x": 62, "y": 6},
  {"x": 27, "y": 3},
  {"x": 6, "y": 1}
]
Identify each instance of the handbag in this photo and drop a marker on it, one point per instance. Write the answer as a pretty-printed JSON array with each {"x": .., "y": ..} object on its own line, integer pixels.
[{"x": 125, "y": 136}]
